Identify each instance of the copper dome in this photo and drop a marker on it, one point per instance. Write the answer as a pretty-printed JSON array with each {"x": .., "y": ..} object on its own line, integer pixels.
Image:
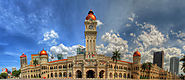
[
  {"x": 137, "y": 53},
  {"x": 91, "y": 15},
  {"x": 43, "y": 52},
  {"x": 23, "y": 55}
]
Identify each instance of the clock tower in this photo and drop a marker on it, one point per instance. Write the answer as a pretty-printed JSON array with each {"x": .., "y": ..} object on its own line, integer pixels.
[{"x": 90, "y": 35}]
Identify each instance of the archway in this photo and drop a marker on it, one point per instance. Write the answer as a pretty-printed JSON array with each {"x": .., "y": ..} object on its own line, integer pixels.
[
  {"x": 110, "y": 75},
  {"x": 78, "y": 74},
  {"x": 90, "y": 74},
  {"x": 101, "y": 73}
]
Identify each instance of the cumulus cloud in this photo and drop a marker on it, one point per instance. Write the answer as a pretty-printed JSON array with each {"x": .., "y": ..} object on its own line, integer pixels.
[
  {"x": 183, "y": 48},
  {"x": 128, "y": 25},
  {"x": 62, "y": 49},
  {"x": 131, "y": 18},
  {"x": 99, "y": 23},
  {"x": 113, "y": 41},
  {"x": 180, "y": 36},
  {"x": 49, "y": 37},
  {"x": 132, "y": 34},
  {"x": 151, "y": 40},
  {"x": 151, "y": 36}
]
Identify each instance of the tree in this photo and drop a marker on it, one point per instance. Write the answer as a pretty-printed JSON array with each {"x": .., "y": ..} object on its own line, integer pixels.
[
  {"x": 115, "y": 57},
  {"x": 183, "y": 66},
  {"x": 4, "y": 75},
  {"x": 147, "y": 66},
  {"x": 144, "y": 66},
  {"x": 16, "y": 73},
  {"x": 35, "y": 62}
]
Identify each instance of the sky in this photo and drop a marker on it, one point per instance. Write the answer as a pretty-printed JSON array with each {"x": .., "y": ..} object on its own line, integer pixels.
[{"x": 58, "y": 27}]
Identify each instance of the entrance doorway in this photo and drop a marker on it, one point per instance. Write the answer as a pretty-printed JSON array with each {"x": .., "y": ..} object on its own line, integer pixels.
[
  {"x": 101, "y": 73},
  {"x": 90, "y": 74},
  {"x": 78, "y": 74}
]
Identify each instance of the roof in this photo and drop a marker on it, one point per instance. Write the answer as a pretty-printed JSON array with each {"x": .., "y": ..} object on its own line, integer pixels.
[
  {"x": 34, "y": 54},
  {"x": 125, "y": 61},
  {"x": 57, "y": 60},
  {"x": 137, "y": 53},
  {"x": 33, "y": 65},
  {"x": 91, "y": 15},
  {"x": 43, "y": 52},
  {"x": 23, "y": 55}
]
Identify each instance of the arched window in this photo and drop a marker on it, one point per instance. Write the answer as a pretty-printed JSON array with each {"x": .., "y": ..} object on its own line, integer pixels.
[
  {"x": 70, "y": 74},
  {"x": 64, "y": 74},
  {"x": 120, "y": 75},
  {"x": 55, "y": 74},
  {"x": 31, "y": 76},
  {"x": 115, "y": 75},
  {"x": 101, "y": 73},
  {"x": 69, "y": 65},
  {"x": 60, "y": 74},
  {"x": 78, "y": 74},
  {"x": 60, "y": 67},
  {"x": 110, "y": 75},
  {"x": 128, "y": 76},
  {"x": 125, "y": 75}
]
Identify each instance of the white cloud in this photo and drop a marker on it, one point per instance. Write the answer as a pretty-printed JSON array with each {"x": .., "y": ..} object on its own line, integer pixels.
[
  {"x": 49, "y": 38},
  {"x": 128, "y": 25},
  {"x": 151, "y": 36},
  {"x": 12, "y": 54},
  {"x": 62, "y": 49},
  {"x": 183, "y": 48},
  {"x": 99, "y": 23},
  {"x": 180, "y": 66},
  {"x": 113, "y": 41},
  {"x": 132, "y": 34},
  {"x": 151, "y": 40},
  {"x": 131, "y": 18},
  {"x": 50, "y": 35}
]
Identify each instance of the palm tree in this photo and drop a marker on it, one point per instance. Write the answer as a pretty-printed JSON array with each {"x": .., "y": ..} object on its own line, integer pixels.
[
  {"x": 183, "y": 66},
  {"x": 35, "y": 62},
  {"x": 149, "y": 65},
  {"x": 115, "y": 57},
  {"x": 144, "y": 66}
]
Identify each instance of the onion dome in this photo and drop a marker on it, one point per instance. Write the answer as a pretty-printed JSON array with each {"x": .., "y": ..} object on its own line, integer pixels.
[
  {"x": 91, "y": 15},
  {"x": 43, "y": 52},
  {"x": 137, "y": 53},
  {"x": 23, "y": 55}
]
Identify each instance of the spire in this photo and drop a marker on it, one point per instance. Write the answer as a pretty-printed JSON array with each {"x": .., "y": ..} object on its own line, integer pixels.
[{"x": 91, "y": 15}]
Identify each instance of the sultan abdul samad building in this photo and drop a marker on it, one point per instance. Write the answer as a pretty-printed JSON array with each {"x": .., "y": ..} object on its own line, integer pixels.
[{"x": 89, "y": 64}]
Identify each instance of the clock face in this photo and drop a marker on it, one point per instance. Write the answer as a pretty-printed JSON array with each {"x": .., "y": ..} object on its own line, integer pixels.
[{"x": 91, "y": 27}]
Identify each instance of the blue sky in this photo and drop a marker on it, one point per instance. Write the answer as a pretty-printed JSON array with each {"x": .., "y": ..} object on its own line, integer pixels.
[{"x": 30, "y": 26}]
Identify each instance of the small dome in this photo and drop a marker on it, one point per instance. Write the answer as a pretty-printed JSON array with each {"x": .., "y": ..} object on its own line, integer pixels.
[
  {"x": 91, "y": 15},
  {"x": 43, "y": 52},
  {"x": 137, "y": 53},
  {"x": 23, "y": 55}
]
